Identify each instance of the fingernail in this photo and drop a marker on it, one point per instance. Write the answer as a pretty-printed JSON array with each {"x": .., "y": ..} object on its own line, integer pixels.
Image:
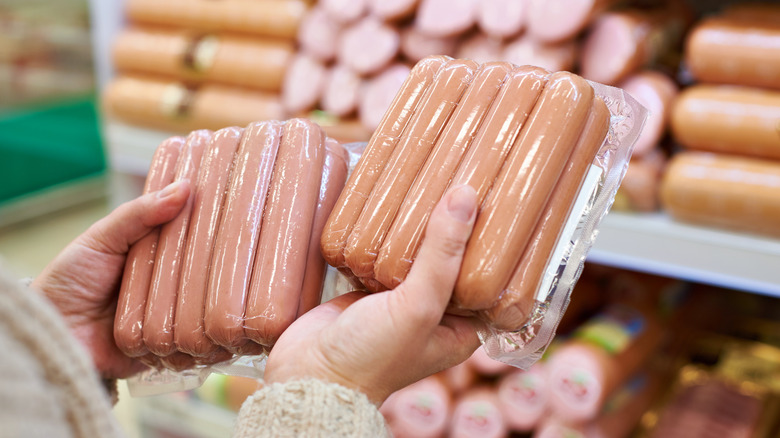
[
  {"x": 169, "y": 190},
  {"x": 462, "y": 204}
]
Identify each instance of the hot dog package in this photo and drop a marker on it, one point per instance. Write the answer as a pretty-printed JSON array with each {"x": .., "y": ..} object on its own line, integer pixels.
[
  {"x": 215, "y": 287},
  {"x": 545, "y": 152}
]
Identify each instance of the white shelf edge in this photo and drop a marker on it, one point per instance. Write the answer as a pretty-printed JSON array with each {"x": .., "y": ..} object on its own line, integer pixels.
[
  {"x": 650, "y": 243},
  {"x": 656, "y": 244}
]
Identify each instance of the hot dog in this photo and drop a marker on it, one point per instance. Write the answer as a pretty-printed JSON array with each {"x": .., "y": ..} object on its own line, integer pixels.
[
  {"x": 203, "y": 58},
  {"x": 403, "y": 239},
  {"x": 334, "y": 175},
  {"x": 237, "y": 237},
  {"x": 732, "y": 120},
  {"x": 558, "y": 20},
  {"x": 739, "y": 51},
  {"x": 210, "y": 190},
  {"x": 368, "y": 46},
  {"x": 723, "y": 191},
  {"x": 521, "y": 190},
  {"x": 443, "y": 18},
  {"x": 137, "y": 275},
  {"x": 512, "y": 310},
  {"x": 381, "y": 145},
  {"x": 271, "y": 18},
  {"x": 341, "y": 92},
  {"x": 404, "y": 164},
  {"x": 502, "y": 18},
  {"x": 281, "y": 256},
  {"x": 161, "y": 304},
  {"x": 318, "y": 35}
]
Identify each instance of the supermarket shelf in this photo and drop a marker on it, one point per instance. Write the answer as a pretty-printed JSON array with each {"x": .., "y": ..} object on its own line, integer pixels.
[
  {"x": 648, "y": 243},
  {"x": 656, "y": 244}
]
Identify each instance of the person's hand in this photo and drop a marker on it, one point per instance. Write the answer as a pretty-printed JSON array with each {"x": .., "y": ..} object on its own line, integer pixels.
[
  {"x": 382, "y": 342},
  {"x": 83, "y": 280}
]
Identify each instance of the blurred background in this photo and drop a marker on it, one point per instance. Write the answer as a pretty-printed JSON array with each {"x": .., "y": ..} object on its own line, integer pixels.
[{"x": 689, "y": 253}]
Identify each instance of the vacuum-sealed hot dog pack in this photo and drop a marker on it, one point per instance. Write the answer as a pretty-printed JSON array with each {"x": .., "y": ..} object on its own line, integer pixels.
[{"x": 544, "y": 151}]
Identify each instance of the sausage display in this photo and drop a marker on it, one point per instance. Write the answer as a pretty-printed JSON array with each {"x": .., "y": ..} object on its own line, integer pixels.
[
  {"x": 318, "y": 35},
  {"x": 656, "y": 92},
  {"x": 303, "y": 84},
  {"x": 237, "y": 237},
  {"x": 210, "y": 190},
  {"x": 404, "y": 164},
  {"x": 558, "y": 20},
  {"x": 515, "y": 305},
  {"x": 391, "y": 11},
  {"x": 723, "y": 191},
  {"x": 739, "y": 48},
  {"x": 203, "y": 58},
  {"x": 161, "y": 304},
  {"x": 341, "y": 92},
  {"x": 521, "y": 190},
  {"x": 368, "y": 46},
  {"x": 137, "y": 275},
  {"x": 728, "y": 119},
  {"x": 553, "y": 57},
  {"x": 405, "y": 234},
  {"x": 442, "y": 18},
  {"x": 280, "y": 260},
  {"x": 380, "y": 147},
  {"x": 502, "y": 18},
  {"x": 416, "y": 45},
  {"x": 271, "y": 18}
]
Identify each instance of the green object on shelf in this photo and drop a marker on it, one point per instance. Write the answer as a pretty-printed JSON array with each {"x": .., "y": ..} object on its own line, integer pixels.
[{"x": 48, "y": 146}]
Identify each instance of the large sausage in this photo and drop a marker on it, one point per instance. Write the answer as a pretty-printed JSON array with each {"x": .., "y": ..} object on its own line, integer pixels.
[
  {"x": 443, "y": 18},
  {"x": 736, "y": 51},
  {"x": 237, "y": 237},
  {"x": 552, "y": 57},
  {"x": 481, "y": 48},
  {"x": 341, "y": 91},
  {"x": 656, "y": 92},
  {"x": 137, "y": 275},
  {"x": 732, "y": 120},
  {"x": 404, "y": 164},
  {"x": 502, "y": 18},
  {"x": 378, "y": 151},
  {"x": 319, "y": 34},
  {"x": 514, "y": 307},
  {"x": 161, "y": 305},
  {"x": 520, "y": 192},
  {"x": 170, "y": 105},
  {"x": 378, "y": 94},
  {"x": 281, "y": 256},
  {"x": 477, "y": 414},
  {"x": 271, "y": 18},
  {"x": 368, "y": 46},
  {"x": 588, "y": 368},
  {"x": 394, "y": 10},
  {"x": 420, "y": 410},
  {"x": 523, "y": 396},
  {"x": 723, "y": 191},
  {"x": 334, "y": 175},
  {"x": 622, "y": 42},
  {"x": 210, "y": 190},
  {"x": 403, "y": 239},
  {"x": 344, "y": 11},
  {"x": 553, "y": 21},
  {"x": 183, "y": 55},
  {"x": 303, "y": 84},
  {"x": 416, "y": 45}
]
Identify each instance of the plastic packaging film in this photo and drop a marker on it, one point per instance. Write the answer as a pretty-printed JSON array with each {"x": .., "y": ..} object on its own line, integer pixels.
[
  {"x": 546, "y": 157},
  {"x": 239, "y": 236}
]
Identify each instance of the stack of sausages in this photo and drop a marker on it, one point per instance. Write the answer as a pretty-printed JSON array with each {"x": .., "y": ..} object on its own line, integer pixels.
[
  {"x": 730, "y": 177},
  {"x": 354, "y": 55},
  {"x": 194, "y": 64},
  {"x": 521, "y": 137},
  {"x": 241, "y": 261}
]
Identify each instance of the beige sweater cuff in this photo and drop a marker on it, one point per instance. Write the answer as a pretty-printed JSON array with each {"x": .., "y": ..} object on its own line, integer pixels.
[{"x": 310, "y": 408}]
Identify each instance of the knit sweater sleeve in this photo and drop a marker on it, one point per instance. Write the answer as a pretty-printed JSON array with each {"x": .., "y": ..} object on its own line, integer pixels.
[{"x": 309, "y": 408}]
